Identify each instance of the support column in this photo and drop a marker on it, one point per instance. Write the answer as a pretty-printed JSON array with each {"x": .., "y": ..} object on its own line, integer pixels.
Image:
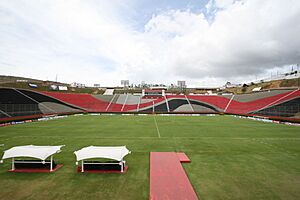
[
  {"x": 167, "y": 103},
  {"x": 153, "y": 107},
  {"x": 121, "y": 163},
  {"x": 82, "y": 170},
  {"x": 13, "y": 164},
  {"x": 51, "y": 164},
  {"x": 187, "y": 99}
]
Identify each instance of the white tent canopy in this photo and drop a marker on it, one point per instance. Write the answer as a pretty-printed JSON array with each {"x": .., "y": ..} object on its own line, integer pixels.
[
  {"x": 114, "y": 153},
  {"x": 39, "y": 152}
]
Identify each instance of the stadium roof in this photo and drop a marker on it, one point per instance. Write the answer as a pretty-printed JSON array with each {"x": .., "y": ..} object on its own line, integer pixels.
[
  {"x": 114, "y": 153},
  {"x": 39, "y": 152}
]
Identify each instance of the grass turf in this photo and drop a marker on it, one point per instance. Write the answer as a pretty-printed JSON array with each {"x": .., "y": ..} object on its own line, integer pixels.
[{"x": 231, "y": 158}]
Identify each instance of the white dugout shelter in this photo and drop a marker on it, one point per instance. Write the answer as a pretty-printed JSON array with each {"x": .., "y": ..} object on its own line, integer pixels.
[
  {"x": 92, "y": 152},
  {"x": 38, "y": 152}
]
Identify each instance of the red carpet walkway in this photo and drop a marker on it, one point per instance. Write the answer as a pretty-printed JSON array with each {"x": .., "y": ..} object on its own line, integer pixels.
[
  {"x": 168, "y": 180},
  {"x": 183, "y": 158}
]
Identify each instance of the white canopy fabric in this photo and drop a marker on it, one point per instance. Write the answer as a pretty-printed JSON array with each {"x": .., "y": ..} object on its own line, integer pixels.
[
  {"x": 114, "y": 153},
  {"x": 39, "y": 152}
]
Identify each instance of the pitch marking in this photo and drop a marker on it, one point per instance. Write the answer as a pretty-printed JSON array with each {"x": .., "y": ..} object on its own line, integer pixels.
[{"x": 158, "y": 133}]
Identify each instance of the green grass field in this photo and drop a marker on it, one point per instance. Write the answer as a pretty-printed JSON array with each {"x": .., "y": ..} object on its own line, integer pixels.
[{"x": 231, "y": 158}]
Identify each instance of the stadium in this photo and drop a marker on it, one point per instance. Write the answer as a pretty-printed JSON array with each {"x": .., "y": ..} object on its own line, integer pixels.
[{"x": 63, "y": 140}]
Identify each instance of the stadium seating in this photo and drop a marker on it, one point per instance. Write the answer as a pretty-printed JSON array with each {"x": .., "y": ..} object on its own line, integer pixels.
[
  {"x": 247, "y": 107},
  {"x": 219, "y": 102},
  {"x": 114, "y": 107},
  {"x": 286, "y": 109},
  {"x": 106, "y": 98},
  {"x": 133, "y": 100},
  {"x": 13, "y": 103},
  {"x": 122, "y": 99},
  {"x": 258, "y": 95},
  {"x": 84, "y": 101},
  {"x": 17, "y": 102}
]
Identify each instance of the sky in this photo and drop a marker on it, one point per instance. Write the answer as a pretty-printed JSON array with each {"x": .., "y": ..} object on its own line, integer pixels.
[{"x": 204, "y": 42}]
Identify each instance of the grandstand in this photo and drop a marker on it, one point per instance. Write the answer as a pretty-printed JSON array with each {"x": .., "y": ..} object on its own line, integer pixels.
[{"x": 21, "y": 102}]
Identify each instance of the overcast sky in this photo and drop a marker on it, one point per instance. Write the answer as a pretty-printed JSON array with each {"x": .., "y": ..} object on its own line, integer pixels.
[{"x": 205, "y": 42}]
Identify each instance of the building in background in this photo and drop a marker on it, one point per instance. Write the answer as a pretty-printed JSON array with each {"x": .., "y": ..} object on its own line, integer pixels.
[
  {"x": 78, "y": 85},
  {"x": 125, "y": 83},
  {"x": 181, "y": 84}
]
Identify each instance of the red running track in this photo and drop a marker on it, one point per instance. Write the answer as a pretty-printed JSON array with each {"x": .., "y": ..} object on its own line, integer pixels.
[{"x": 168, "y": 180}]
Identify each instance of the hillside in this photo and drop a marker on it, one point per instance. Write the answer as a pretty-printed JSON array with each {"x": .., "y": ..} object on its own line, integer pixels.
[
  {"x": 276, "y": 84},
  {"x": 23, "y": 83}
]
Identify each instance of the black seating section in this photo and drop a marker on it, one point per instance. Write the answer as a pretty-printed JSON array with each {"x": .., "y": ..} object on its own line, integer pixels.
[
  {"x": 286, "y": 109},
  {"x": 161, "y": 108},
  {"x": 34, "y": 165},
  {"x": 114, "y": 166},
  {"x": 23, "y": 102},
  {"x": 11, "y": 96},
  {"x": 174, "y": 104},
  {"x": 213, "y": 109},
  {"x": 15, "y": 104}
]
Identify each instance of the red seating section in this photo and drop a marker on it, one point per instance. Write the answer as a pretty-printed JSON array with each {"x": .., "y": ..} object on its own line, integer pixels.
[
  {"x": 85, "y": 101},
  {"x": 114, "y": 107},
  {"x": 217, "y": 101}
]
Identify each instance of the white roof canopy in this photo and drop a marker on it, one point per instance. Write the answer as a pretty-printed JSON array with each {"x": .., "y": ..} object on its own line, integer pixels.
[
  {"x": 39, "y": 152},
  {"x": 114, "y": 153}
]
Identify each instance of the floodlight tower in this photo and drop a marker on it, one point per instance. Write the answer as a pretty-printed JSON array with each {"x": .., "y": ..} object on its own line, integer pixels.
[{"x": 298, "y": 76}]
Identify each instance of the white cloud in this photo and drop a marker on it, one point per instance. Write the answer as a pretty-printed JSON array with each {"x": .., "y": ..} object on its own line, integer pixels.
[
  {"x": 223, "y": 3},
  {"x": 245, "y": 39},
  {"x": 95, "y": 42}
]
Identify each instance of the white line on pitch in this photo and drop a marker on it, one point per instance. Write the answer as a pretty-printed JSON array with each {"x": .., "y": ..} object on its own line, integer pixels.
[{"x": 158, "y": 133}]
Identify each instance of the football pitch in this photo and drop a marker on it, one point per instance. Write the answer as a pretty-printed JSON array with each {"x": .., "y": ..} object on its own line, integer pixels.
[{"x": 231, "y": 158}]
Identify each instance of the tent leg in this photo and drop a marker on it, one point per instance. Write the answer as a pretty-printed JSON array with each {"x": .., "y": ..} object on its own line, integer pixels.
[
  {"x": 82, "y": 170},
  {"x": 13, "y": 164},
  {"x": 51, "y": 164},
  {"x": 122, "y": 167}
]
